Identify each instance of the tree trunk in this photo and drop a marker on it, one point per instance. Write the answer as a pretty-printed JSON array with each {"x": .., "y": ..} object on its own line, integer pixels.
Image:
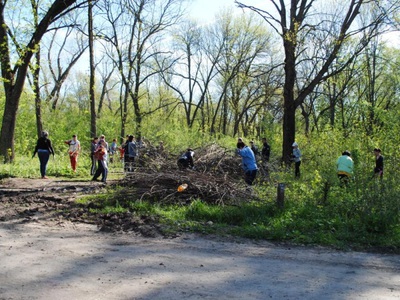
[
  {"x": 124, "y": 111},
  {"x": 8, "y": 127},
  {"x": 36, "y": 73},
  {"x": 289, "y": 107},
  {"x": 36, "y": 91},
  {"x": 93, "y": 117},
  {"x": 13, "y": 81}
]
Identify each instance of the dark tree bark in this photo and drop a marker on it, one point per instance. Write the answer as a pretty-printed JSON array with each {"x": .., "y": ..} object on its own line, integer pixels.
[{"x": 92, "y": 100}]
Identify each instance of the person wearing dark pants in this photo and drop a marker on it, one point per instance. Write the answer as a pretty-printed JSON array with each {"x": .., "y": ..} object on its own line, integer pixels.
[
  {"x": 378, "y": 170},
  {"x": 266, "y": 150},
  {"x": 44, "y": 156},
  {"x": 130, "y": 154},
  {"x": 101, "y": 170},
  {"x": 248, "y": 162},
  {"x": 344, "y": 166},
  {"x": 101, "y": 156},
  {"x": 43, "y": 149},
  {"x": 296, "y": 155},
  {"x": 250, "y": 176},
  {"x": 93, "y": 147}
]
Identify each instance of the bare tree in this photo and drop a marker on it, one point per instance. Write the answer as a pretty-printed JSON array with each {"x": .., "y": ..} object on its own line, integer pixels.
[
  {"x": 193, "y": 68},
  {"x": 136, "y": 29},
  {"x": 61, "y": 58},
  {"x": 13, "y": 77},
  {"x": 107, "y": 85},
  {"x": 295, "y": 24}
]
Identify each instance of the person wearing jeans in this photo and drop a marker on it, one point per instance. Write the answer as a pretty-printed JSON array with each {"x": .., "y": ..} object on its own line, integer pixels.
[
  {"x": 43, "y": 149},
  {"x": 101, "y": 157}
]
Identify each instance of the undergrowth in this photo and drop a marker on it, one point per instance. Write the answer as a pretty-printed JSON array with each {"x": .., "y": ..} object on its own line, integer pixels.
[
  {"x": 362, "y": 216},
  {"x": 317, "y": 211}
]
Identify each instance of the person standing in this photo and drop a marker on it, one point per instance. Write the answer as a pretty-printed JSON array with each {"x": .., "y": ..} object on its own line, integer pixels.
[
  {"x": 378, "y": 170},
  {"x": 93, "y": 146},
  {"x": 73, "y": 151},
  {"x": 130, "y": 154},
  {"x": 43, "y": 149},
  {"x": 253, "y": 148},
  {"x": 101, "y": 157},
  {"x": 113, "y": 150},
  {"x": 249, "y": 164},
  {"x": 103, "y": 139},
  {"x": 344, "y": 167},
  {"x": 296, "y": 155},
  {"x": 265, "y": 151},
  {"x": 124, "y": 146}
]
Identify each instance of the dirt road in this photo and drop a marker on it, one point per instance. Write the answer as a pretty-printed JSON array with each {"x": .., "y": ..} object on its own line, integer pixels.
[{"x": 57, "y": 259}]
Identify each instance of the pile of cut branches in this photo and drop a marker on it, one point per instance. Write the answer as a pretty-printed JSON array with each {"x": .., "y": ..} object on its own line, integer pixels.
[{"x": 216, "y": 179}]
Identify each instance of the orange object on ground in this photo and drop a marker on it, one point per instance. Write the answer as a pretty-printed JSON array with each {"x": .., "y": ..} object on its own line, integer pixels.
[{"x": 182, "y": 187}]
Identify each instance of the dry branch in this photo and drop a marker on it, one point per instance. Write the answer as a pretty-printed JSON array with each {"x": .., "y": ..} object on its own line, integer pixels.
[{"x": 216, "y": 179}]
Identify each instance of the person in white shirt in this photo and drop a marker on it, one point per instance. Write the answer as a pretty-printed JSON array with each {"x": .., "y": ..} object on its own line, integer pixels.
[{"x": 73, "y": 151}]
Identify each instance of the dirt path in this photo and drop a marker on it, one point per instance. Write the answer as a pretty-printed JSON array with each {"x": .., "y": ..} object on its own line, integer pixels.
[{"x": 47, "y": 257}]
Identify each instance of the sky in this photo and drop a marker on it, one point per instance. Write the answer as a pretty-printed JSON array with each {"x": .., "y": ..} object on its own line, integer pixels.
[{"x": 204, "y": 10}]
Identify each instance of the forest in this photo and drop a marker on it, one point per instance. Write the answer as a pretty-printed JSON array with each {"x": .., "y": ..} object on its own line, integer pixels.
[{"x": 321, "y": 73}]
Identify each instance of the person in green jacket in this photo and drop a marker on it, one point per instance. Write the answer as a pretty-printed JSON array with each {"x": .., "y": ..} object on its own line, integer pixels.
[{"x": 344, "y": 166}]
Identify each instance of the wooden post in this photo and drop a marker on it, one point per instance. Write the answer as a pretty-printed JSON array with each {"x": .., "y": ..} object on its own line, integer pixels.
[{"x": 280, "y": 199}]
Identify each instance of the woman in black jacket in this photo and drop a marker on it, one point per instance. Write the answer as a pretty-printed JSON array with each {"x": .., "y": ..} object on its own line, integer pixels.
[{"x": 43, "y": 149}]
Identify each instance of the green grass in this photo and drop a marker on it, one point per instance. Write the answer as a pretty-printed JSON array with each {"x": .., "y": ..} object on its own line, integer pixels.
[
  {"x": 317, "y": 211},
  {"x": 59, "y": 166},
  {"x": 342, "y": 223}
]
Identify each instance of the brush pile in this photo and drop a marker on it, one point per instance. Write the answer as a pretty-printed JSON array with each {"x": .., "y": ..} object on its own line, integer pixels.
[{"x": 217, "y": 178}]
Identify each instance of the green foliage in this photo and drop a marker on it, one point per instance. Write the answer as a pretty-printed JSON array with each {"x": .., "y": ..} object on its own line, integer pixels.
[{"x": 317, "y": 210}]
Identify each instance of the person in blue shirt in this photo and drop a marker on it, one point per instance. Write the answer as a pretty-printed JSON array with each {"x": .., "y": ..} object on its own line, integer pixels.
[
  {"x": 112, "y": 150},
  {"x": 249, "y": 164}
]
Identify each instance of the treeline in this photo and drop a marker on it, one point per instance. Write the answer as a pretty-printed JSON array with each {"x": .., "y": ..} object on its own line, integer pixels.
[{"x": 154, "y": 73}]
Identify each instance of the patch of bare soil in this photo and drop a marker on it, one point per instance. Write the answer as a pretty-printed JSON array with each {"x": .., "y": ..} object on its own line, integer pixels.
[
  {"x": 216, "y": 179},
  {"x": 51, "y": 202},
  {"x": 53, "y": 248}
]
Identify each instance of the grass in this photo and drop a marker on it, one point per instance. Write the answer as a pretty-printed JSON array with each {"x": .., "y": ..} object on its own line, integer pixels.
[
  {"x": 363, "y": 216},
  {"x": 59, "y": 166},
  {"x": 300, "y": 222}
]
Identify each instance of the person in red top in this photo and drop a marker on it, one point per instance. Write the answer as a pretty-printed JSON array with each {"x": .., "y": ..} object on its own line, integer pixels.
[
  {"x": 121, "y": 153},
  {"x": 101, "y": 157}
]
